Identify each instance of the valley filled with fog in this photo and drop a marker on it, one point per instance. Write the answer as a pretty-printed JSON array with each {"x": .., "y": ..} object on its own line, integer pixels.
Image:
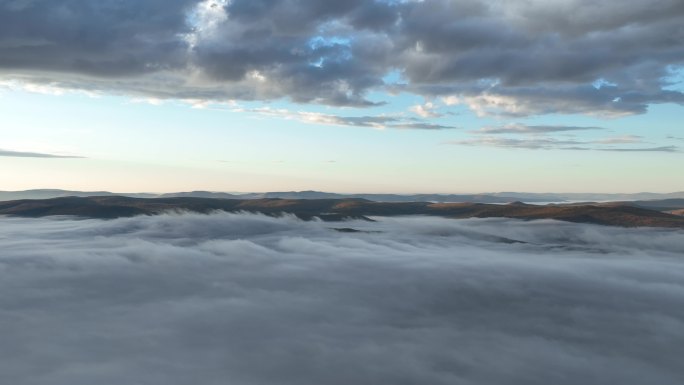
[{"x": 251, "y": 299}]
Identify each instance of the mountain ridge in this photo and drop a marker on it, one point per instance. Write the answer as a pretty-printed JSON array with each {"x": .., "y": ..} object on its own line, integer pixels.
[
  {"x": 106, "y": 207},
  {"x": 498, "y": 197}
]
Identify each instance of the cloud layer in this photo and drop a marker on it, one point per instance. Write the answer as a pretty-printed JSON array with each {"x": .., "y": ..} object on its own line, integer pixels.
[
  {"x": 26, "y": 154},
  {"x": 247, "y": 299},
  {"x": 531, "y": 130},
  {"x": 517, "y": 58},
  {"x": 379, "y": 122},
  {"x": 537, "y": 138}
]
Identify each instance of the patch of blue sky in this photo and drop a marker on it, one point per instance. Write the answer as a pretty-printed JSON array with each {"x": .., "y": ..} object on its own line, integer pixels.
[
  {"x": 601, "y": 82},
  {"x": 317, "y": 42},
  {"x": 674, "y": 81},
  {"x": 394, "y": 77},
  {"x": 331, "y": 49}
]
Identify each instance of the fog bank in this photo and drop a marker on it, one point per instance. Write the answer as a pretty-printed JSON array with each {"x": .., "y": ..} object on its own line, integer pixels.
[{"x": 249, "y": 299}]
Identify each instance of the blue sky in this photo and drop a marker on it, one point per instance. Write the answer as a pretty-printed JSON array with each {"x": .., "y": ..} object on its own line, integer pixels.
[{"x": 221, "y": 118}]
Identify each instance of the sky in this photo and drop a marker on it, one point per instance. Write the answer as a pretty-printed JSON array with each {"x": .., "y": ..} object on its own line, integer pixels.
[
  {"x": 433, "y": 96},
  {"x": 250, "y": 299}
]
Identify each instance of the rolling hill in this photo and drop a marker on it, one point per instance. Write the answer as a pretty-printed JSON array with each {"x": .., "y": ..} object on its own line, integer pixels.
[{"x": 338, "y": 209}]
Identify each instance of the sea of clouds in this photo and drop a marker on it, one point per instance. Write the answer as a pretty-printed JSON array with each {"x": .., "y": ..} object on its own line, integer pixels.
[{"x": 249, "y": 299}]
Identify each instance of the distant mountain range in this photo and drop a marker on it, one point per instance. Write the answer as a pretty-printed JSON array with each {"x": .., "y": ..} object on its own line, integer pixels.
[
  {"x": 588, "y": 197},
  {"x": 55, "y": 193},
  {"x": 339, "y": 209},
  {"x": 479, "y": 198},
  {"x": 501, "y": 197}
]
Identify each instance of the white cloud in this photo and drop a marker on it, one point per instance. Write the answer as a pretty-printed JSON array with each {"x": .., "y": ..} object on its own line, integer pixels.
[
  {"x": 491, "y": 104},
  {"x": 53, "y": 89},
  {"x": 427, "y": 110},
  {"x": 451, "y": 100},
  {"x": 150, "y": 101}
]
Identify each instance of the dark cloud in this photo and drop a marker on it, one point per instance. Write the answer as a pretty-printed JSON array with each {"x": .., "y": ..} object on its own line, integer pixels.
[
  {"x": 24, "y": 154},
  {"x": 516, "y": 58},
  {"x": 180, "y": 299},
  {"x": 104, "y": 39}
]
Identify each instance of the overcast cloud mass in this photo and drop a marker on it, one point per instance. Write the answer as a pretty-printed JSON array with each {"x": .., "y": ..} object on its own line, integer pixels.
[
  {"x": 513, "y": 58},
  {"x": 247, "y": 299}
]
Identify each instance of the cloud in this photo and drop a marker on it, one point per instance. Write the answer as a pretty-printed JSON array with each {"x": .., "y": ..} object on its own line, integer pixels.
[
  {"x": 534, "y": 143},
  {"x": 646, "y": 149},
  {"x": 525, "y": 129},
  {"x": 539, "y": 139},
  {"x": 516, "y": 58},
  {"x": 380, "y": 121},
  {"x": 426, "y": 110},
  {"x": 521, "y": 101},
  {"x": 451, "y": 100},
  {"x": 621, "y": 139},
  {"x": 24, "y": 154},
  {"x": 175, "y": 299},
  {"x": 548, "y": 143}
]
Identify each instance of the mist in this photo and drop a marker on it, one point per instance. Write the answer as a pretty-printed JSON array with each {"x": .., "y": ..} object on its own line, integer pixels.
[{"x": 250, "y": 299}]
